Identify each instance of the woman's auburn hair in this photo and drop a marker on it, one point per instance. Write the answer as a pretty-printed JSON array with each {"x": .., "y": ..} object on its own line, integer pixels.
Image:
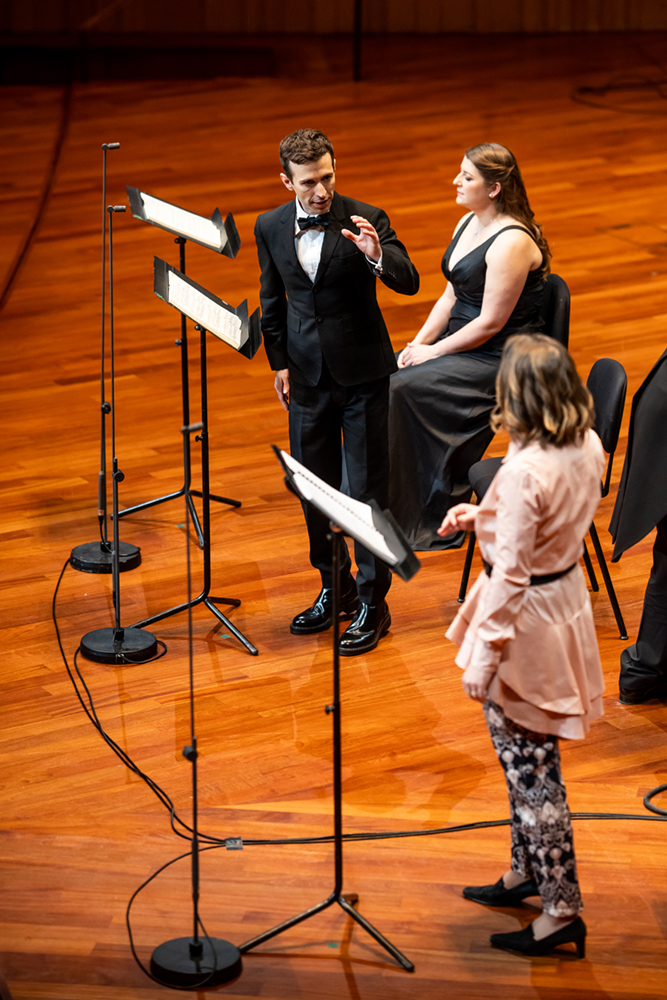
[
  {"x": 497, "y": 165},
  {"x": 539, "y": 394}
]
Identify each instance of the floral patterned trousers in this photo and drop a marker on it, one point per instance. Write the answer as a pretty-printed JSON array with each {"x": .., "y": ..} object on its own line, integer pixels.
[{"x": 542, "y": 844}]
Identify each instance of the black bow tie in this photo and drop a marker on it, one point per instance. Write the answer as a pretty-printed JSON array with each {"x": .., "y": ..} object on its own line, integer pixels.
[{"x": 311, "y": 221}]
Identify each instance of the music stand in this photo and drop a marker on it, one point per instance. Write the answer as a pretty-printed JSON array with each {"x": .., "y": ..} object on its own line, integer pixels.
[
  {"x": 240, "y": 331},
  {"x": 379, "y": 533},
  {"x": 215, "y": 234}
]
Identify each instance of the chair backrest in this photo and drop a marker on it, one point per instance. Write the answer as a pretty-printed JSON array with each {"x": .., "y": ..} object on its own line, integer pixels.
[
  {"x": 607, "y": 384},
  {"x": 555, "y": 309}
]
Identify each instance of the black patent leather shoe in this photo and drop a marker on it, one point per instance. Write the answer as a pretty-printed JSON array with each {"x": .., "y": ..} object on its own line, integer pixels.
[
  {"x": 524, "y": 943},
  {"x": 319, "y": 617},
  {"x": 370, "y": 623},
  {"x": 628, "y": 697},
  {"x": 498, "y": 895}
]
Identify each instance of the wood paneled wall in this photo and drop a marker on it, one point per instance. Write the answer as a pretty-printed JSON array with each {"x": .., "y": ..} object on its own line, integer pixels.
[{"x": 326, "y": 17}]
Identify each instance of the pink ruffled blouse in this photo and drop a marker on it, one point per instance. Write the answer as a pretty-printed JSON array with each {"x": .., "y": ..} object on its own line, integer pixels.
[{"x": 537, "y": 644}]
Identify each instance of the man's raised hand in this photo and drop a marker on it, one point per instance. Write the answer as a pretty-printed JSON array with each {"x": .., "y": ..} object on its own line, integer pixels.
[{"x": 367, "y": 240}]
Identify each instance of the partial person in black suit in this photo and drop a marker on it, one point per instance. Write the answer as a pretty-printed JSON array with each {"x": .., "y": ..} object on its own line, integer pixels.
[
  {"x": 320, "y": 256},
  {"x": 641, "y": 505}
]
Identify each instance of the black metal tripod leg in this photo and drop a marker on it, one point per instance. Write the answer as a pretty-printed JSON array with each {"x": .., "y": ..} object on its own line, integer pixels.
[
  {"x": 213, "y": 496},
  {"x": 286, "y": 924},
  {"x": 374, "y": 933},
  {"x": 233, "y": 602},
  {"x": 232, "y": 628},
  {"x": 151, "y": 503},
  {"x": 195, "y": 521},
  {"x": 608, "y": 584}
]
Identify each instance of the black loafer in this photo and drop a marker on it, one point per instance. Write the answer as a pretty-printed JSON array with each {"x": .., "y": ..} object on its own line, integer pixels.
[
  {"x": 629, "y": 697},
  {"x": 319, "y": 617},
  {"x": 370, "y": 623},
  {"x": 524, "y": 943},
  {"x": 498, "y": 895}
]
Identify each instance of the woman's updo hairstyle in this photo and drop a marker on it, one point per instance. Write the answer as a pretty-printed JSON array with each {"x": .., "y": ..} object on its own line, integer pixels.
[
  {"x": 540, "y": 396},
  {"x": 497, "y": 164}
]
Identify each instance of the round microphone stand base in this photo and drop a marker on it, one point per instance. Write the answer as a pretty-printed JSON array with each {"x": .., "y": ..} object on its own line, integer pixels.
[
  {"x": 93, "y": 557},
  {"x": 184, "y": 962},
  {"x": 119, "y": 646}
]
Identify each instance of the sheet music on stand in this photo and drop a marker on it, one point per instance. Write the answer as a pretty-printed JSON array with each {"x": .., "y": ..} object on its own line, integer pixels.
[{"x": 375, "y": 529}]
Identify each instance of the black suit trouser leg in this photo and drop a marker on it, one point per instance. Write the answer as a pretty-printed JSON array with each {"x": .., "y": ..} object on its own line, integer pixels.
[
  {"x": 645, "y": 663},
  {"x": 319, "y": 416}
]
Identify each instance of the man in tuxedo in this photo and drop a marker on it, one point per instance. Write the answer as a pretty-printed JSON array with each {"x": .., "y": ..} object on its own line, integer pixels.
[
  {"x": 641, "y": 505},
  {"x": 320, "y": 256}
]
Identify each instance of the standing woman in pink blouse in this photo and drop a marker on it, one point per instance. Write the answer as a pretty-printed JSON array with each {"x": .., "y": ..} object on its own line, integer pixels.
[{"x": 527, "y": 641}]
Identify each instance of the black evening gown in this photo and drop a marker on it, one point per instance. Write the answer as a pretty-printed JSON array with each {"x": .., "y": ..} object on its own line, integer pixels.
[{"x": 439, "y": 410}]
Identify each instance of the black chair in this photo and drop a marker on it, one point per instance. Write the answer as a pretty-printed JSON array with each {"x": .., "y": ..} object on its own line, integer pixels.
[
  {"x": 607, "y": 384},
  {"x": 555, "y": 309}
]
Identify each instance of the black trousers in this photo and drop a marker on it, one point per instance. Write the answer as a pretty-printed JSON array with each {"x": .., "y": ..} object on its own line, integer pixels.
[
  {"x": 645, "y": 664},
  {"x": 319, "y": 417}
]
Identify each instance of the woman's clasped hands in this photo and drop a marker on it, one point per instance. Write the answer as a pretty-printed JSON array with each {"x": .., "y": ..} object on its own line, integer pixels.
[{"x": 416, "y": 354}]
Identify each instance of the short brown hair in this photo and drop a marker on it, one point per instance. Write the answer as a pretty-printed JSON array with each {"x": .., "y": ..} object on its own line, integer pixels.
[
  {"x": 540, "y": 396},
  {"x": 304, "y": 146}
]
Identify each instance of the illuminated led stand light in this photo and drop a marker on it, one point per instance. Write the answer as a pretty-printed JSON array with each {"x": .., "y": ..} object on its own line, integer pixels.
[
  {"x": 381, "y": 535},
  {"x": 96, "y": 557},
  {"x": 240, "y": 331},
  {"x": 116, "y": 645},
  {"x": 215, "y": 234},
  {"x": 197, "y": 961}
]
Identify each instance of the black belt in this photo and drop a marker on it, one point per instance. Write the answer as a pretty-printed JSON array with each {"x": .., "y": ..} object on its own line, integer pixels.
[{"x": 536, "y": 581}]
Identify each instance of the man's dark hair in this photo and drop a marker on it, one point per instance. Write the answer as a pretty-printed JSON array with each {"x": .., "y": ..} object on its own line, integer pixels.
[{"x": 304, "y": 146}]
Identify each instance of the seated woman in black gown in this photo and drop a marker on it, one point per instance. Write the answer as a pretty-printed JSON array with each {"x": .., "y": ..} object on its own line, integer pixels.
[{"x": 442, "y": 395}]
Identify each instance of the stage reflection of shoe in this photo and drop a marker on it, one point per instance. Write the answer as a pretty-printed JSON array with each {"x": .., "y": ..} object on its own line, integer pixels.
[
  {"x": 640, "y": 697},
  {"x": 524, "y": 942},
  {"x": 319, "y": 617},
  {"x": 498, "y": 895},
  {"x": 365, "y": 630}
]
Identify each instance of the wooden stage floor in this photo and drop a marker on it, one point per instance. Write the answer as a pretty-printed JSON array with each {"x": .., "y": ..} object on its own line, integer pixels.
[{"x": 79, "y": 831}]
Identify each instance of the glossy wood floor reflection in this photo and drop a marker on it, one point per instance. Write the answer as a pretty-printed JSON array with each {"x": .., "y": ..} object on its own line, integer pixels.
[{"x": 79, "y": 831}]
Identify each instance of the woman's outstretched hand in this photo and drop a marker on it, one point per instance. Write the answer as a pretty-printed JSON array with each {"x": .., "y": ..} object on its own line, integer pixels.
[{"x": 459, "y": 518}]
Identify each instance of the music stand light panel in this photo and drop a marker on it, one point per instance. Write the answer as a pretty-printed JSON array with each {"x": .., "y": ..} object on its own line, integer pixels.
[
  {"x": 233, "y": 326},
  {"x": 214, "y": 233}
]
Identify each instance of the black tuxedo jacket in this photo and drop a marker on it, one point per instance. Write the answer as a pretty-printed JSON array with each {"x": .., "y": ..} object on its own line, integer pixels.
[
  {"x": 642, "y": 492},
  {"x": 337, "y": 318}
]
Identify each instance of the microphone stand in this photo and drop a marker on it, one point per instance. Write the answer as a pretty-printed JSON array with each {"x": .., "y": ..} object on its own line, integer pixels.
[
  {"x": 116, "y": 645},
  {"x": 185, "y": 490},
  {"x": 96, "y": 557},
  {"x": 193, "y": 962}
]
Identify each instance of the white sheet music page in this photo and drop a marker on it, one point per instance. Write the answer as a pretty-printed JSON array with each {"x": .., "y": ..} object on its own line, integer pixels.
[
  {"x": 224, "y": 324},
  {"x": 353, "y": 516},
  {"x": 178, "y": 220}
]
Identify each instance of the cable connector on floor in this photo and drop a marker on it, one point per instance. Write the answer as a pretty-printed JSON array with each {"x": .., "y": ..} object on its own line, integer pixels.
[{"x": 234, "y": 843}]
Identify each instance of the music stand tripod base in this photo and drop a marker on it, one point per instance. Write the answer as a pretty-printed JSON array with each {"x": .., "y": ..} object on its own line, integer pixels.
[
  {"x": 119, "y": 646},
  {"x": 173, "y": 964},
  {"x": 92, "y": 557}
]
